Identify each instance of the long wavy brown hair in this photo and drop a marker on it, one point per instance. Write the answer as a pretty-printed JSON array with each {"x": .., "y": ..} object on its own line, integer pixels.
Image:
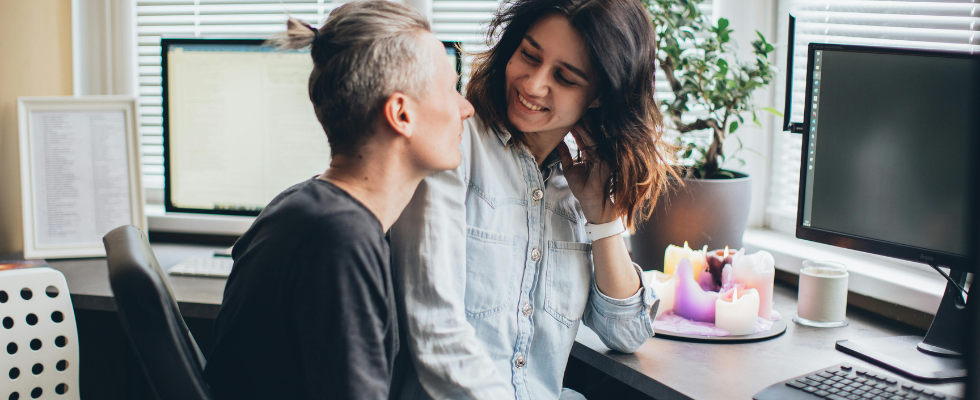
[{"x": 627, "y": 127}]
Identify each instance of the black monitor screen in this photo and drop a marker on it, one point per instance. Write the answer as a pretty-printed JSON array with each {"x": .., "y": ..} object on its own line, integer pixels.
[{"x": 888, "y": 154}]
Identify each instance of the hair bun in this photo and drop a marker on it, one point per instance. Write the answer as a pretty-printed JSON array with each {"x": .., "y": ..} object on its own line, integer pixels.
[{"x": 298, "y": 35}]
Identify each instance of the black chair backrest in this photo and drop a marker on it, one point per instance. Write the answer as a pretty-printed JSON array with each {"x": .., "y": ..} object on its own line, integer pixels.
[{"x": 149, "y": 314}]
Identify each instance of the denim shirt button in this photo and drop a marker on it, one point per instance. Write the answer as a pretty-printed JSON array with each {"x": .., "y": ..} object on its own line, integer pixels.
[
  {"x": 535, "y": 254},
  {"x": 526, "y": 309},
  {"x": 520, "y": 361},
  {"x": 537, "y": 194}
]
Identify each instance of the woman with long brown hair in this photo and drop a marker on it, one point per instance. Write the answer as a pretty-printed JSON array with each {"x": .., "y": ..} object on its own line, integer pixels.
[{"x": 498, "y": 261}]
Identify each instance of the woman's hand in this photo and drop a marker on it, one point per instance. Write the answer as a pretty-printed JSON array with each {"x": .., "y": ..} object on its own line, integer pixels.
[{"x": 587, "y": 177}]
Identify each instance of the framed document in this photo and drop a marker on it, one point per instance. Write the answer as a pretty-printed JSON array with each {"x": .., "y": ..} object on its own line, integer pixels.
[{"x": 79, "y": 171}]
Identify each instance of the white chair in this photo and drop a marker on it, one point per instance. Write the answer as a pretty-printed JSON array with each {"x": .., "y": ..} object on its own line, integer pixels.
[{"x": 39, "y": 354}]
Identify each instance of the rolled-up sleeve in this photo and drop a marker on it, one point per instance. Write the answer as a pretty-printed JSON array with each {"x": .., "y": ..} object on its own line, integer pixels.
[
  {"x": 622, "y": 324},
  {"x": 428, "y": 245}
]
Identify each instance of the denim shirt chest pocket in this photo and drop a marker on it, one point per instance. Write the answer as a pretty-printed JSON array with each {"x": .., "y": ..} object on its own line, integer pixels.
[
  {"x": 568, "y": 281},
  {"x": 490, "y": 259}
]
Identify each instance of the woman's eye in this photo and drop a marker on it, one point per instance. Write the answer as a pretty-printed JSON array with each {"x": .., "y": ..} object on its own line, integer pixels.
[
  {"x": 562, "y": 79},
  {"x": 528, "y": 57}
]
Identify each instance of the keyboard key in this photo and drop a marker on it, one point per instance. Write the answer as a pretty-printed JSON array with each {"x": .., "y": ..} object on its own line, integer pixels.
[
  {"x": 821, "y": 393},
  {"x": 853, "y": 397},
  {"x": 891, "y": 381},
  {"x": 823, "y": 387},
  {"x": 861, "y": 372},
  {"x": 795, "y": 385},
  {"x": 858, "y": 392},
  {"x": 825, "y": 375},
  {"x": 838, "y": 385},
  {"x": 833, "y": 390},
  {"x": 939, "y": 396},
  {"x": 868, "y": 396},
  {"x": 928, "y": 392},
  {"x": 836, "y": 397},
  {"x": 891, "y": 390},
  {"x": 810, "y": 389},
  {"x": 846, "y": 367}
]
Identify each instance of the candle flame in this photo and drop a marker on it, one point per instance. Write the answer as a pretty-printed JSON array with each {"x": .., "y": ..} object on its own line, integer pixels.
[
  {"x": 734, "y": 294},
  {"x": 686, "y": 246},
  {"x": 726, "y": 252}
]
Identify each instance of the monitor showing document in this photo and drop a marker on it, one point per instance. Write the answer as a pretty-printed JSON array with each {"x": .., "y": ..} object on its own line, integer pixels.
[{"x": 239, "y": 127}]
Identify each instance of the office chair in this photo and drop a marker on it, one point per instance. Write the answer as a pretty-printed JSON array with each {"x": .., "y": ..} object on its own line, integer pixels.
[
  {"x": 38, "y": 335},
  {"x": 149, "y": 314}
]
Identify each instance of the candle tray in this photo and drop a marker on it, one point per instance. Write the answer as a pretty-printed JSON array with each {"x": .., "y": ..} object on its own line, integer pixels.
[{"x": 778, "y": 328}]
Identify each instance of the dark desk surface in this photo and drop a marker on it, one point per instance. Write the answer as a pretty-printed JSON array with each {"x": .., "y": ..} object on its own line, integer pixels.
[{"x": 663, "y": 369}]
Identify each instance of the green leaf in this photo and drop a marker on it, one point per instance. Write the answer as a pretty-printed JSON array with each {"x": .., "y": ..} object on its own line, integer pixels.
[
  {"x": 773, "y": 111},
  {"x": 733, "y": 127},
  {"x": 722, "y": 23}
]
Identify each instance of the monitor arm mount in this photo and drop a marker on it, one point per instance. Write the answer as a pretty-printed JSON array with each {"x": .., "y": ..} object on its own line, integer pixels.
[{"x": 796, "y": 127}]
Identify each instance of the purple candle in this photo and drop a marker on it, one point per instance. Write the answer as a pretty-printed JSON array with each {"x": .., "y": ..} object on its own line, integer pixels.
[{"x": 690, "y": 301}]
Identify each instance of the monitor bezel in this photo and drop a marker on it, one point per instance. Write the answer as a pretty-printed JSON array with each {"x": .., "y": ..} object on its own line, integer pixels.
[
  {"x": 860, "y": 243},
  {"x": 165, "y": 43}
]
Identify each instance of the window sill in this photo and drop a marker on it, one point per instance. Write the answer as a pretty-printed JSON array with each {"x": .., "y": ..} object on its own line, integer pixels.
[
  {"x": 891, "y": 281},
  {"x": 205, "y": 224}
]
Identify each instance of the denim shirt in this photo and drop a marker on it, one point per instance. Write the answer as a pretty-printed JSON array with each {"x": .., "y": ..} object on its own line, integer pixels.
[{"x": 494, "y": 269}]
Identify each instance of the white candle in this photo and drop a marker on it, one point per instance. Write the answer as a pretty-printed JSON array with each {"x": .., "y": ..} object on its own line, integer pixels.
[
  {"x": 823, "y": 291},
  {"x": 664, "y": 286},
  {"x": 737, "y": 314},
  {"x": 756, "y": 271}
]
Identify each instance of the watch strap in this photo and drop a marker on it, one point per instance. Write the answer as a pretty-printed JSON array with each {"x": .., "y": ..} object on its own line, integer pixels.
[{"x": 602, "y": 231}]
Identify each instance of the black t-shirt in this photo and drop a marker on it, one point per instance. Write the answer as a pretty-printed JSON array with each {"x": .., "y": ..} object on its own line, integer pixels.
[{"x": 308, "y": 310}]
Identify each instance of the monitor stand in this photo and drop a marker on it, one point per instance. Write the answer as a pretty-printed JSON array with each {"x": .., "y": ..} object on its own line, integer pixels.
[{"x": 936, "y": 357}]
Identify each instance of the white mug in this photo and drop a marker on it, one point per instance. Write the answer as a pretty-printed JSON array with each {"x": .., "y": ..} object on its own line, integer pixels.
[{"x": 822, "y": 300}]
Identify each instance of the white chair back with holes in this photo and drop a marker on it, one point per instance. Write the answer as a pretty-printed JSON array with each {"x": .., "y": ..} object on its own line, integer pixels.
[{"x": 39, "y": 353}]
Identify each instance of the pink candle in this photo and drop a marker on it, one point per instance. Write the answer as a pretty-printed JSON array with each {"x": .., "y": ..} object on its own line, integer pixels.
[
  {"x": 756, "y": 271},
  {"x": 690, "y": 301}
]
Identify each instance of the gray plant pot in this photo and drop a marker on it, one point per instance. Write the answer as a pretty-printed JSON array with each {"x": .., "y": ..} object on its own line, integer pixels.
[{"x": 709, "y": 212}]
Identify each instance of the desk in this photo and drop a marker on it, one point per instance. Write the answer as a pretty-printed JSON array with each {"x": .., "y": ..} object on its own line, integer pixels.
[{"x": 662, "y": 369}]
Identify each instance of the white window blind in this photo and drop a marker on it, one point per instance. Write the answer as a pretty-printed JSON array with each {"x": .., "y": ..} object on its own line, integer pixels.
[
  {"x": 463, "y": 21},
  {"x": 936, "y": 24}
]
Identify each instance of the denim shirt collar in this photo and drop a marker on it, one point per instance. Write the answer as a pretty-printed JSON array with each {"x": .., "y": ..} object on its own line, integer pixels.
[{"x": 550, "y": 162}]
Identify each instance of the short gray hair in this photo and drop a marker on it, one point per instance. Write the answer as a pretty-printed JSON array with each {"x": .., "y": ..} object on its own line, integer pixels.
[{"x": 365, "y": 52}]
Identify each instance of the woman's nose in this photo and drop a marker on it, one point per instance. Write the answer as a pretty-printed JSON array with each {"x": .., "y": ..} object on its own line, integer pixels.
[{"x": 537, "y": 83}]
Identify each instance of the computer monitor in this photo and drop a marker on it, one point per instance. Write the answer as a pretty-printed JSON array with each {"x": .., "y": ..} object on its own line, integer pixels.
[
  {"x": 889, "y": 154},
  {"x": 238, "y": 124}
]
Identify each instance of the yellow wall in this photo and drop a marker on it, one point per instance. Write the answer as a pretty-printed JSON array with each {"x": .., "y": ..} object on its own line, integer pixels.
[{"x": 35, "y": 60}]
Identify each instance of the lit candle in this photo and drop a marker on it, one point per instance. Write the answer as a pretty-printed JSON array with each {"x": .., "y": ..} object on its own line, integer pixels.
[
  {"x": 674, "y": 254},
  {"x": 717, "y": 260},
  {"x": 737, "y": 314},
  {"x": 756, "y": 271},
  {"x": 664, "y": 287},
  {"x": 690, "y": 301}
]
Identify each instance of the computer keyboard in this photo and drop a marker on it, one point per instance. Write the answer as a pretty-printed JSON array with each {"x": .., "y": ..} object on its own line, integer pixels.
[
  {"x": 216, "y": 266},
  {"x": 847, "y": 382}
]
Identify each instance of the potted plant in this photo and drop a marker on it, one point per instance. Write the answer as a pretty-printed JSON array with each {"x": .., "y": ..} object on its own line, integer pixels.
[{"x": 712, "y": 91}]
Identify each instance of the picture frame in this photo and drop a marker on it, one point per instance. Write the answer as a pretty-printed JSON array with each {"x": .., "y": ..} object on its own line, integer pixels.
[{"x": 80, "y": 170}]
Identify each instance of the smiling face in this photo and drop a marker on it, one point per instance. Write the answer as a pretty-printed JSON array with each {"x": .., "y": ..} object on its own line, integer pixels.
[{"x": 549, "y": 78}]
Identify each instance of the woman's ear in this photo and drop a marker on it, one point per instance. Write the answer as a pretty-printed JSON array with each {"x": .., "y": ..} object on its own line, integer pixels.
[{"x": 595, "y": 103}]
